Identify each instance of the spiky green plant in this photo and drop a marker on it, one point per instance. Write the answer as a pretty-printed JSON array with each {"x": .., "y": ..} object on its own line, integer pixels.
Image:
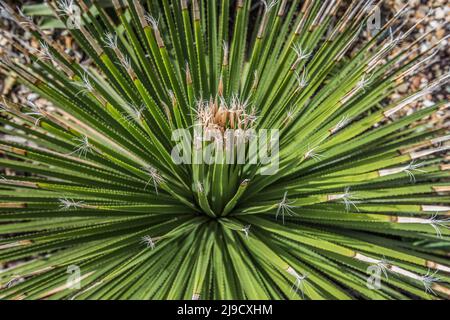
[{"x": 361, "y": 191}]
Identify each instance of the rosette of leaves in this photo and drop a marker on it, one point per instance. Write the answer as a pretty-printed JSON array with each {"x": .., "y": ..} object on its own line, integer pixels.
[{"x": 357, "y": 208}]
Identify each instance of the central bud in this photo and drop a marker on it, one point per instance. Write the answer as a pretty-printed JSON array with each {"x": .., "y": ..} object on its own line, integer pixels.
[{"x": 217, "y": 114}]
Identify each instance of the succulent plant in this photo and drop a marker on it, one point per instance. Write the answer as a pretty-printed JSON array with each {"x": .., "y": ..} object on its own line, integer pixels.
[{"x": 353, "y": 203}]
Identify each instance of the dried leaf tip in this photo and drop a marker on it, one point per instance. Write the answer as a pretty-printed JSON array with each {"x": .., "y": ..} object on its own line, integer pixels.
[
  {"x": 44, "y": 53},
  {"x": 285, "y": 207},
  {"x": 83, "y": 148},
  {"x": 345, "y": 120},
  {"x": 184, "y": 5},
  {"x": 302, "y": 79},
  {"x": 429, "y": 280},
  {"x": 85, "y": 84},
  {"x": 154, "y": 22},
  {"x": 300, "y": 281},
  {"x": 155, "y": 177},
  {"x": 188, "y": 74},
  {"x": 149, "y": 242},
  {"x": 363, "y": 82},
  {"x": 196, "y": 10},
  {"x": 246, "y": 231},
  {"x": 226, "y": 53},
  {"x": 282, "y": 9},
  {"x": 347, "y": 198},
  {"x": 36, "y": 111},
  {"x": 301, "y": 53},
  {"x": 134, "y": 113},
  {"x": 68, "y": 8},
  {"x": 313, "y": 154},
  {"x": 437, "y": 223},
  {"x": 67, "y": 204},
  {"x": 269, "y": 5},
  {"x": 111, "y": 40}
]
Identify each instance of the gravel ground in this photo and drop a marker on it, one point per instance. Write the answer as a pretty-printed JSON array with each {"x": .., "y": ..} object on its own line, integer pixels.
[{"x": 437, "y": 26}]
